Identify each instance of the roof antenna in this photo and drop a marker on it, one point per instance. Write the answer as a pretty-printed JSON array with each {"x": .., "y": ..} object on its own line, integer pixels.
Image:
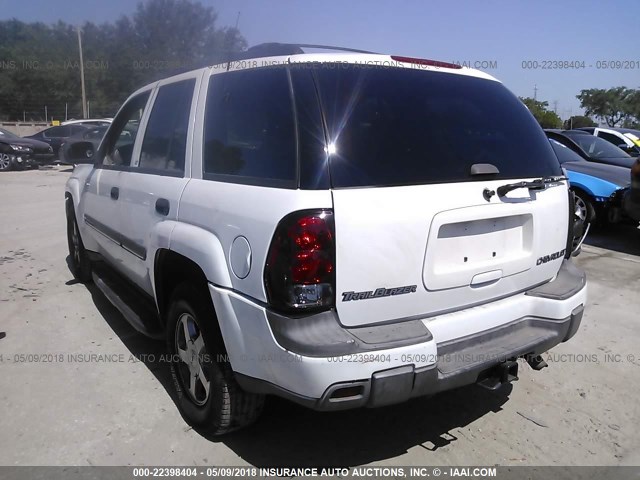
[{"x": 229, "y": 47}]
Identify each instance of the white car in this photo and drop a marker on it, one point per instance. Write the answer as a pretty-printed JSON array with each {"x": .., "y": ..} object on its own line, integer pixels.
[
  {"x": 311, "y": 226},
  {"x": 623, "y": 138},
  {"x": 90, "y": 122}
]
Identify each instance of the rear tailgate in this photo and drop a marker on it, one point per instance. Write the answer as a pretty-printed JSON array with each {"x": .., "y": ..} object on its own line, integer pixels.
[
  {"x": 428, "y": 249},
  {"x": 411, "y": 151}
]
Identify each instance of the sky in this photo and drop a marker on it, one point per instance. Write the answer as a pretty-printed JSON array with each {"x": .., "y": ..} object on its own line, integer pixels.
[{"x": 511, "y": 40}]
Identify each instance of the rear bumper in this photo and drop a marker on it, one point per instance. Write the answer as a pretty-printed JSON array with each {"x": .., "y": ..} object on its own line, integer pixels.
[{"x": 318, "y": 363}]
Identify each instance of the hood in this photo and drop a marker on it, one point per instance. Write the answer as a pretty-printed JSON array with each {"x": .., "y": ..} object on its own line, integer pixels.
[
  {"x": 620, "y": 176},
  {"x": 29, "y": 142},
  {"x": 626, "y": 162}
]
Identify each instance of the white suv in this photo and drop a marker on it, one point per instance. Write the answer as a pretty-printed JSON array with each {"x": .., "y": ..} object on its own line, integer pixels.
[{"x": 340, "y": 229}]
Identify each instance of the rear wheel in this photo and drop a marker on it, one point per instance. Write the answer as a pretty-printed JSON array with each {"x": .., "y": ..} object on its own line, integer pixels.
[
  {"x": 208, "y": 395},
  {"x": 80, "y": 264},
  {"x": 585, "y": 211}
]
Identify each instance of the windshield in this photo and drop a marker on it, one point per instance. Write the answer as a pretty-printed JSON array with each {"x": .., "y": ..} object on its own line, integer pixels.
[
  {"x": 7, "y": 134},
  {"x": 596, "y": 147},
  {"x": 392, "y": 126}
]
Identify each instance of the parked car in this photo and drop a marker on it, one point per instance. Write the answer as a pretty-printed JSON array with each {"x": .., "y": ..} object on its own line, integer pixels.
[
  {"x": 626, "y": 139},
  {"x": 598, "y": 187},
  {"x": 90, "y": 122},
  {"x": 336, "y": 244},
  {"x": 631, "y": 200},
  {"x": 592, "y": 148},
  {"x": 17, "y": 153},
  {"x": 56, "y": 136}
]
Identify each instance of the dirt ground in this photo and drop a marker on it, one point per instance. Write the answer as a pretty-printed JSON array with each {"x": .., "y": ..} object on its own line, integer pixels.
[{"x": 59, "y": 410}]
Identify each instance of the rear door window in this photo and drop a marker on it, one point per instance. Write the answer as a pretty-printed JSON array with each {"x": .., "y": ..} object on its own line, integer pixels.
[
  {"x": 393, "y": 126},
  {"x": 165, "y": 139},
  {"x": 58, "y": 132}
]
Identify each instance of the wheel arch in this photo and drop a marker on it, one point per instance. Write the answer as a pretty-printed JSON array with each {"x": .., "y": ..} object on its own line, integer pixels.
[
  {"x": 192, "y": 254},
  {"x": 587, "y": 195},
  {"x": 170, "y": 269}
]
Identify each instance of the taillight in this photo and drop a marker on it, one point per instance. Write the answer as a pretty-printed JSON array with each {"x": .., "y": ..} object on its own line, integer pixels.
[
  {"x": 424, "y": 61},
  {"x": 300, "y": 269}
]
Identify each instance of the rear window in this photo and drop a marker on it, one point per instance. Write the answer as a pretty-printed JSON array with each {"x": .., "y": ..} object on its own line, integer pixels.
[
  {"x": 564, "y": 153},
  {"x": 394, "y": 126}
]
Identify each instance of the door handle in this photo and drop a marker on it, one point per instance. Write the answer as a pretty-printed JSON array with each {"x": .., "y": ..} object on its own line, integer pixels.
[
  {"x": 163, "y": 206},
  {"x": 115, "y": 193}
]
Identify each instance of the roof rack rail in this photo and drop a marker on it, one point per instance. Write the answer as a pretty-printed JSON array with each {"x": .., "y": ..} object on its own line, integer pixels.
[{"x": 273, "y": 49}]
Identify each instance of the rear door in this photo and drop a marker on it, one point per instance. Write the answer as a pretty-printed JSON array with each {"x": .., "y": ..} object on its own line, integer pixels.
[
  {"x": 151, "y": 189},
  {"x": 413, "y": 155}
]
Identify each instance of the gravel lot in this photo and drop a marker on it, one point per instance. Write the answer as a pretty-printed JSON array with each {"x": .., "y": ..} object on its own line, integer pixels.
[{"x": 583, "y": 410}]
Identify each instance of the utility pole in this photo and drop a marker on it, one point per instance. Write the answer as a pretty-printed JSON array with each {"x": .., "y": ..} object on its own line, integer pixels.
[
  {"x": 535, "y": 91},
  {"x": 555, "y": 107},
  {"x": 84, "y": 95}
]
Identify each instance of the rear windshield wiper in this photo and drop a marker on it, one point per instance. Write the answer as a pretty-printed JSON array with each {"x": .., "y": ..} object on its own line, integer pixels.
[{"x": 538, "y": 184}]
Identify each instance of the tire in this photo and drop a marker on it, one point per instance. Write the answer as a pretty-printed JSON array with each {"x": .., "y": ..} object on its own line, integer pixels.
[
  {"x": 80, "y": 264},
  {"x": 197, "y": 350},
  {"x": 585, "y": 210},
  {"x": 5, "y": 162}
]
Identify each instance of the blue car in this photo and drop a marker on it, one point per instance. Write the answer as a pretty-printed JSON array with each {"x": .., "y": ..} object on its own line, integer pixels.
[{"x": 599, "y": 188}]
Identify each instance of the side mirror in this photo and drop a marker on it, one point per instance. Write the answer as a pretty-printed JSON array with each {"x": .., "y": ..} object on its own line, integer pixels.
[{"x": 80, "y": 152}]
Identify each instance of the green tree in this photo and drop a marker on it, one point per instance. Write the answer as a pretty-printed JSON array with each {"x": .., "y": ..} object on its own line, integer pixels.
[
  {"x": 612, "y": 105},
  {"x": 540, "y": 110},
  {"x": 578, "y": 121},
  {"x": 39, "y": 63}
]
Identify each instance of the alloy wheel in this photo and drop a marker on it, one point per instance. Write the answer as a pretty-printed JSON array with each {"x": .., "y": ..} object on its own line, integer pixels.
[
  {"x": 192, "y": 355},
  {"x": 5, "y": 161},
  {"x": 581, "y": 210}
]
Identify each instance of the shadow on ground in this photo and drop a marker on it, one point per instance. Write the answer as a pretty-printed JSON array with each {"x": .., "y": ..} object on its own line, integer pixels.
[
  {"x": 621, "y": 238},
  {"x": 288, "y": 434}
]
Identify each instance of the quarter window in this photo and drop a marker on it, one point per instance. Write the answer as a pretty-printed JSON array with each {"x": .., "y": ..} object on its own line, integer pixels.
[{"x": 249, "y": 128}]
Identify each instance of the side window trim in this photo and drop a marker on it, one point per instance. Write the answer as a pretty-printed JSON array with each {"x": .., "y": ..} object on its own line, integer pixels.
[{"x": 137, "y": 145}]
